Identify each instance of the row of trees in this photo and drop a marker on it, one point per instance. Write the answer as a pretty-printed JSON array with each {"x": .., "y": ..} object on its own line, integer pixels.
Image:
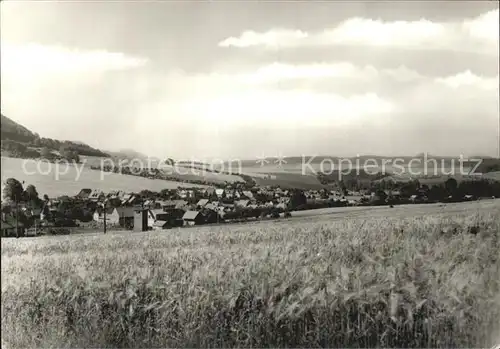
[
  {"x": 450, "y": 188},
  {"x": 78, "y": 148},
  {"x": 488, "y": 165},
  {"x": 16, "y": 149},
  {"x": 20, "y": 150},
  {"x": 156, "y": 173},
  {"x": 356, "y": 179}
]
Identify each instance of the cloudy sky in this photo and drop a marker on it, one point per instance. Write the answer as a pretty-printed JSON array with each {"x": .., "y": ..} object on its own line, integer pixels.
[{"x": 243, "y": 79}]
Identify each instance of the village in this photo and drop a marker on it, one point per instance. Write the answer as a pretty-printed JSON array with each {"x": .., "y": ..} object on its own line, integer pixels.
[
  {"x": 94, "y": 210},
  {"x": 154, "y": 211}
]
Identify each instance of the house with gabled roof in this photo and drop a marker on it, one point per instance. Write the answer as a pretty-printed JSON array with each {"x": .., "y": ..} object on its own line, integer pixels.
[
  {"x": 96, "y": 195},
  {"x": 84, "y": 193},
  {"x": 160, "y": 214},
  {"x": 209, "y": 192},
  {"x": 123, "y": 216},
  {"x": 202, "y": 202},
  {"x": 242, "y": 203},
  {"x": 193, "y": 218},
  {"x": 248, "y": 194},
  {"x": 129, "y": 200},
  {"x": 125, "y": 198},
  {"x": 160, "y": 225},
  {"x": 149, "y": 203},
  {"x": 98, "y": 215},
  {"x": 113, "y": 194}
]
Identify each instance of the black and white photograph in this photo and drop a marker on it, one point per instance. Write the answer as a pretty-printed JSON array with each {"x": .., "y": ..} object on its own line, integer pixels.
[{"x": 250, "y": 174}]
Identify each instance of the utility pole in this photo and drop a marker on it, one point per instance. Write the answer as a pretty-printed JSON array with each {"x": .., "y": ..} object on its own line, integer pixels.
[
  {"x": 142, "y": 215},
  {"x": 17, "y": 217},
  {"x": 104, "y": 213}
]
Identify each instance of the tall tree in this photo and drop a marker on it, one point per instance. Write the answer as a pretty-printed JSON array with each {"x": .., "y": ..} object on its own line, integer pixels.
[
  {"x": 298, "y": 198},
  {"x": 13, "y": 190},
  {"x": 343, "y": 188},
  {"x": 30, "y": 192},
  {"x": 31, "y": 195},
  {"x": 451, "y": 186}
]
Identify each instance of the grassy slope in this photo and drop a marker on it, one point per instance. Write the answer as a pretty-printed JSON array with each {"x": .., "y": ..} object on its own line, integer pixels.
[
  {"x": 289, "y": 180},
  {"x": 289, "y": 175},
  {"x": 327, "y": 282},
  {"x": 70, "y": 180},
  {"x": 180, "y": 172}
]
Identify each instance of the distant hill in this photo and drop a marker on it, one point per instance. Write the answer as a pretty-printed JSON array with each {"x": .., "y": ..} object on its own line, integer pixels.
[
  {"x": 128, "y": 154},
  {"x": 13, "y": 131},
  {"x": 373, "y": 159},
  {"x": 78, "y": 142},
  {"x": 19, "y": 141}
]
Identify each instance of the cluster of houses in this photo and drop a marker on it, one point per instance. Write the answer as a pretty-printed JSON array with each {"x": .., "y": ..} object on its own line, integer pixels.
[
  {"x": 186, "y": 207},
  {"x": 183, "y": 206},
  {"x": 171, "y": 208}
]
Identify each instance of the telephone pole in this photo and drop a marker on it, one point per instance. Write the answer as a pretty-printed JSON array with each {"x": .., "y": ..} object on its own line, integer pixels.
[
  {"x": 104, "y": 206},
  {"x": 17, "y": 217}
]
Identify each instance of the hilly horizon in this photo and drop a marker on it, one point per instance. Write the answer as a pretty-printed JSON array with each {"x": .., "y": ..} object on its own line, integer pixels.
[
  {"x": 250, "y": 174},
  {"x": 13, "y": 131},
  {"x": 19, "y": 137}
]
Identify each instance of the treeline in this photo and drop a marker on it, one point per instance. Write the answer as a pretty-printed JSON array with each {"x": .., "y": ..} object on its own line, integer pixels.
[
  {"x": 250, "y": 182},
  {"x": 47, "y": 145},
  {"x": 489, "y": 165},
  {"x": 79, "y": 148},
  {"x": 156, "y": 173},
  {"x": 18, "y": 139},
  {"x": 355, "y": 180},
  {"x": 450, "y": 189},
  {"x": 19, "y": 150}
]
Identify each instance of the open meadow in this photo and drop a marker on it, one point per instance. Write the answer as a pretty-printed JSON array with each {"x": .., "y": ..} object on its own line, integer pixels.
[
  {"x": 179, "y": 172},
  {"x": 55, "y": 180},
  {"x": 402, "y": 277}
]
